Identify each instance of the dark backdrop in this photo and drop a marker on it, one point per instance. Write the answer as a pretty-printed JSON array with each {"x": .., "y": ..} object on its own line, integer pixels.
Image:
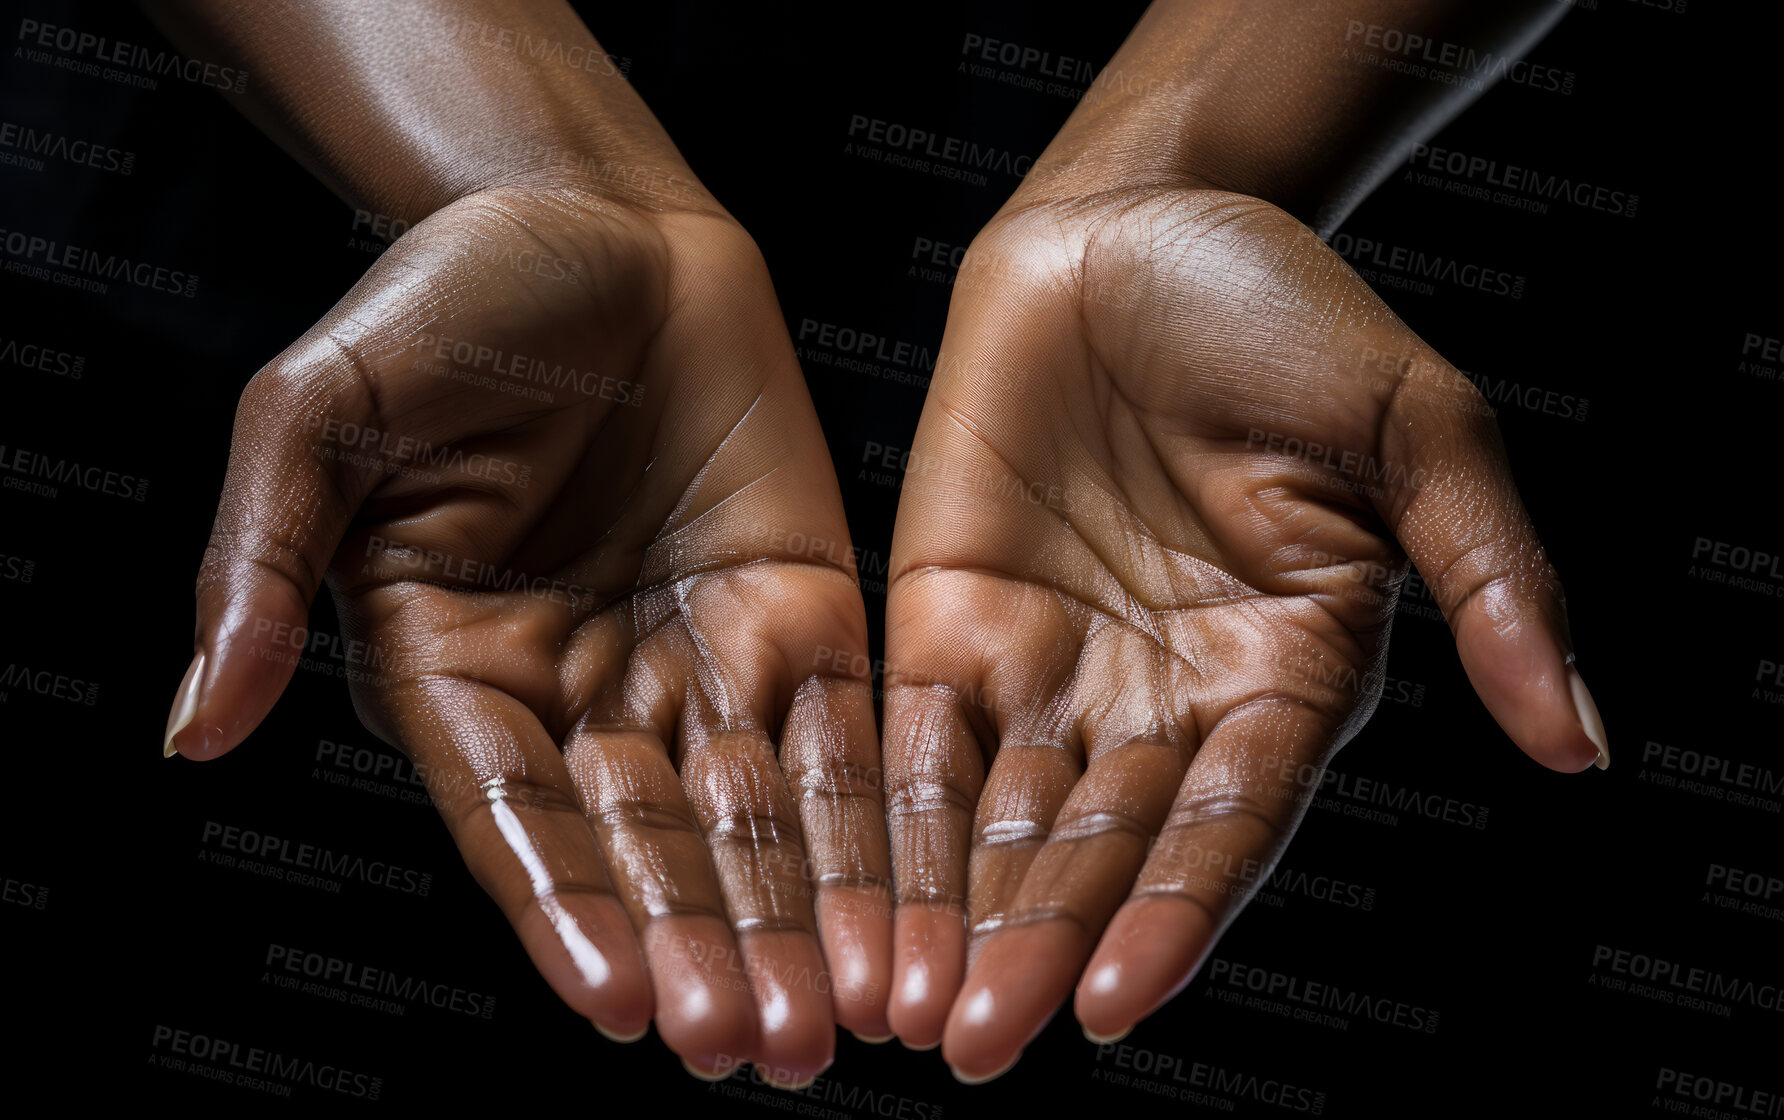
[{"x": 1575, "y": 941}]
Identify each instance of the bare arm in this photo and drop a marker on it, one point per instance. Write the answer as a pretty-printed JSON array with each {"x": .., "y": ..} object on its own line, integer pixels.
[
  {"x": 1304, "y": 105},
  {"x": 404, "y": 107}
]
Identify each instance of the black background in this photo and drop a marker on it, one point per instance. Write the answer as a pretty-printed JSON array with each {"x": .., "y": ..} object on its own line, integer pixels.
[{"x": 1638, "y": 433}]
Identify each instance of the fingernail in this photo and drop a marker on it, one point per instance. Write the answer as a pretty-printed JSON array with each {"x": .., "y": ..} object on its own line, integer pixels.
[
  {"x": 1100, "y": 1040},
  {"x": 965, "y": 1079},
  {"x": 872, "y": 1041},
  {"x": 786, "y": 1086},
  {"x": 185, "y": 704},
  {"x": 1589, "y": 718},
  {"x": 613, "y": 1037},
  {"x": 921, "y": 1049},
  {"x": 716, "y": 1075}
]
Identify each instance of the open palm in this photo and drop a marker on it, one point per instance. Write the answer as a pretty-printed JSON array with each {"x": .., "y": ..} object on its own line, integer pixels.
[
  {"x": 557, "y": 463},
  {"x": 1157, "y": 514}
]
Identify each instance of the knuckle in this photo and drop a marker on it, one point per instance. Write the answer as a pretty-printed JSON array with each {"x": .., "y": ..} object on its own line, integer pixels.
[
  {"x": 912, "y": 796},
  {"x": 833, "y": 777},
  {"x": 639, "y": 814},
  {"x": 749, "y": 827},
  {"x": 1193, "y": 816},
  {"x": 516, "y": 791}
]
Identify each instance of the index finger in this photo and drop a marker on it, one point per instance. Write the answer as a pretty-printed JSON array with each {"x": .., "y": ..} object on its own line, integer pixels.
[{"x": 501, "y": 784}]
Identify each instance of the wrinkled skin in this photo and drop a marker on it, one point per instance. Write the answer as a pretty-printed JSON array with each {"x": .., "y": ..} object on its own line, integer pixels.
[
  {"x": 607, "y": 632},
  {"x": 1134, "y": 611}
]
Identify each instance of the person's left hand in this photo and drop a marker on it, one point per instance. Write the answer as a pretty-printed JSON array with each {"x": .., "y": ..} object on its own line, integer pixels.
[{"x": 1157, "y": 514}]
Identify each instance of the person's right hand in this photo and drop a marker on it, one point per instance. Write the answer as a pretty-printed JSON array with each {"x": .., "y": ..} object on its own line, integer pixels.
[{"x": 556, "y": 459}]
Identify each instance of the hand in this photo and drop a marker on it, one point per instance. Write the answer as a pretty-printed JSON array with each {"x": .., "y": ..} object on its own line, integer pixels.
[
  {"x": 599, "y": 607},
  {"x": 1172, "y": 464}
]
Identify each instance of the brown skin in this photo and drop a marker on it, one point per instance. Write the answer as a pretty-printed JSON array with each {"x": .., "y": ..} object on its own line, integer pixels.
[
  {"x": 589, "y": 614},
  {"x": 1131, "y": 617},
  {"x": 1107, "y": 559}
]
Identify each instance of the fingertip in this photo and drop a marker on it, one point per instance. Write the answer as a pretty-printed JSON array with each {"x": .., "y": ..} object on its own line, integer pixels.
[
  {"x": 585, "y": 950},
  {"x": 1591, "y": 723},
  {"x": 928, "y": 966},
  {"x": 968, "y": 1078},
  {"x": 704, "y": 1011},
  {"x": 718, "y": 1072},
  {"x": 855, "y": 926},
  {"x": 795, "y": 1026},
  {"x": 622, "y": 1039},
  {"x": 1106, "y": 1039},
  {"x": 244, "y": 662},
  {"x": 1521, "y": 672},
  {"x": 1151, "y": 950},
  {"x": 1021, "y": 977},
  {"x": 192, "y": 730}
]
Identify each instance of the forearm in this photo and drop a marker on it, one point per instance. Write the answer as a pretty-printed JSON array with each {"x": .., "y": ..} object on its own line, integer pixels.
[
  {"x": 1306, "y": 105},
  {"x": 402, "y": 107}
]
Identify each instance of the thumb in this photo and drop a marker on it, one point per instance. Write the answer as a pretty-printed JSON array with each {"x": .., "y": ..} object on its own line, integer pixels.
[
  {"x": 286, "y": 504},
  {"x": 1450, "y": 500}
]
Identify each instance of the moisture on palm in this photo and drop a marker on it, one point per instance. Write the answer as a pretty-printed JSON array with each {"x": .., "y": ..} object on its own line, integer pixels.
[
  {"x": 1167, "y": 480},
  {"x": 549, "y": 455}
]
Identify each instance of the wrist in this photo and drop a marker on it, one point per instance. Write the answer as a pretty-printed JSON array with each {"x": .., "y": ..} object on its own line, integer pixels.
[
  {"x": 1140, "y": 130},
  {"x": 1281, "y": 100},
  {"x": 642, "y": 176}
]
